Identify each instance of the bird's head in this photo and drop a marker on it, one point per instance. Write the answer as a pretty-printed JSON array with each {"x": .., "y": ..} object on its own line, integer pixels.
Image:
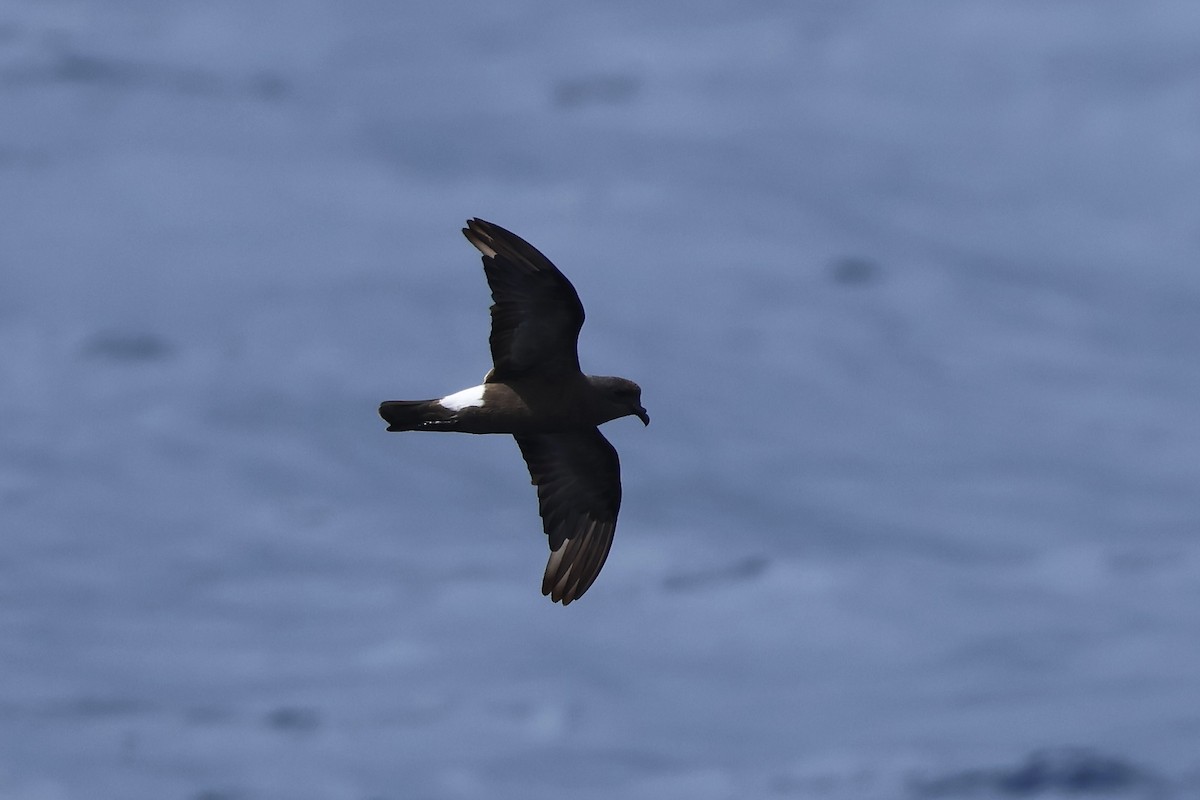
[{"x": 621, "y": 397}]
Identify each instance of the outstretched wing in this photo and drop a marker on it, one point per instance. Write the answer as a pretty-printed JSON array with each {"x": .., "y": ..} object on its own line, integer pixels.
[
  {"x": 578, "y": 479},
  {"x": 536, "y": 313}
]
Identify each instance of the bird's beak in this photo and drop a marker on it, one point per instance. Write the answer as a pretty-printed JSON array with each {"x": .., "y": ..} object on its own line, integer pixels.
[{"x": 642, "y": 415}]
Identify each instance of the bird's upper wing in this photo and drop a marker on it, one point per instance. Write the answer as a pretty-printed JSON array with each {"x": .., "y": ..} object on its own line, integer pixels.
[
  {"x": 536, "y": 313},
  {"x": 578, "y": 479}
]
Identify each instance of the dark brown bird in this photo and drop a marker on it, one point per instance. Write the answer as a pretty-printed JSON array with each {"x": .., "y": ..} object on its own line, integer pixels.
[{"x": 536, "y": 391}]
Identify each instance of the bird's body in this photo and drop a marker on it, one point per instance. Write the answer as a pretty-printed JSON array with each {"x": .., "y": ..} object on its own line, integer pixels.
[
  {"x": 537, "y": 392},
  {"x": 523, "y": 405}
]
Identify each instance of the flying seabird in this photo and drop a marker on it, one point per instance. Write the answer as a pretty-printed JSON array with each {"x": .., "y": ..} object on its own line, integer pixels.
[{"x": 536, "y": 391}]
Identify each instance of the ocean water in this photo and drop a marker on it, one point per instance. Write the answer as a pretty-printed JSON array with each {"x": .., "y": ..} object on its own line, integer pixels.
[{"x": 913, "y": 295}]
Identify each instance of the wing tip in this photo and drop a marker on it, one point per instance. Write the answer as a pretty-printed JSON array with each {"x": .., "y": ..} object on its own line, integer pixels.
[
  {"x": 574, "y": 566},
  {"x": 497, "y": 242},
  {"x": 479, "y": 234}
]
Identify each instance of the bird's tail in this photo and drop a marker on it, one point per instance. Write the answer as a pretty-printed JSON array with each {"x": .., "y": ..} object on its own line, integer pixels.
[{"x": 416, "y": 415}]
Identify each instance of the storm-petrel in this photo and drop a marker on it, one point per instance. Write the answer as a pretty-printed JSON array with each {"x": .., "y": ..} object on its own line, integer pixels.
[{"x": 536, "y": 391}]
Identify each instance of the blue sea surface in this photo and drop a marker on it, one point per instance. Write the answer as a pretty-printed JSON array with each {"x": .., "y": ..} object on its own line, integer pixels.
[{"x": 913, "y": 294}]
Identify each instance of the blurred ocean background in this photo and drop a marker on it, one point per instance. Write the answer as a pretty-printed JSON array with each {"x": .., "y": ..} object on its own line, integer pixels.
[{"x": 913, "y": 293}]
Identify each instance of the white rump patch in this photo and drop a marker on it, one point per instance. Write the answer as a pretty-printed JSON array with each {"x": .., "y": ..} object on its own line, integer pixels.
[{"x": 467, "y": 398}]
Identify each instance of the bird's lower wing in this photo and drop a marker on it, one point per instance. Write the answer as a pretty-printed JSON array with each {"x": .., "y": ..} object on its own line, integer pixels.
[{"x": 578, "y": 479}]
